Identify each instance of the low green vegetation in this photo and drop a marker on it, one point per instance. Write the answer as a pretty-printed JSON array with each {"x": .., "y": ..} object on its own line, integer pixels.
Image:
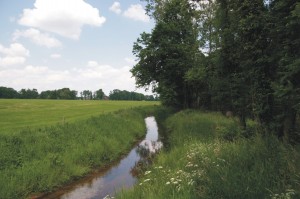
[
  {"x": 209, "y": 157},
  {"x": 40, "y": 159},
  {"x": 17, "y": 114}
]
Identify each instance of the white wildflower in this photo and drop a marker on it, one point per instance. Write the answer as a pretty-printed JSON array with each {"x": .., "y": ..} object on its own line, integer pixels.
[{"x": 147, "y": 172}]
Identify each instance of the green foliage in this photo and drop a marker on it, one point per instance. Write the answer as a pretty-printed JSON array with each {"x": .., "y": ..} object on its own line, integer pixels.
[
  {"x": 286, "y": 50},
  {"x": 28, "y": 94},
  {"x": 165, "y": 55},
  {"x": 117, "y": 94},
  {"x": 200, "y": 163},
  {"x": 226, "y": 56},
  {"x": 99, "y": 94},
  {"x": 8, "y": 93}
]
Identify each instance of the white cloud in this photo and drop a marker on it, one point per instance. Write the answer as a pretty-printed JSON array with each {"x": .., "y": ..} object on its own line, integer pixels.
[
  {"x": 39, "y": 77},
  {"x": 64, "y": 17},
  {"x": 7, "y": 61},
  {"x": 37, "y": 37},
  {"x": 55, "y": 56},
  {"x": 137, "y": 12},
  {"x": 16, "y": 53},
  {"x": 107, "y": 77},
  {"x": 116, "y": 7},
  {"x": 92, "y": 77}
]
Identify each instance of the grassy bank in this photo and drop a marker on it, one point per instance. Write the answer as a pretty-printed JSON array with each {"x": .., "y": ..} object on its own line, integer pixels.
[
  {"x": 209, "y": 158},
  {"x": 39, "y": 159},
  {"x": 20, "y": 113}
]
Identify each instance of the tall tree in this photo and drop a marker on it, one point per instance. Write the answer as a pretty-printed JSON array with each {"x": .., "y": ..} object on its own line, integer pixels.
[
  {"x": 201, "y": 77},
  {"x": 243, "y": 69},
  {"x": 285, "y": 51},
  {"x": 168, "y": 52}
]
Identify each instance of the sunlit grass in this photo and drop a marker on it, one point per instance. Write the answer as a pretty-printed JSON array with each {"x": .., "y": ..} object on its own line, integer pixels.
[{"x": 17, "y": 113}]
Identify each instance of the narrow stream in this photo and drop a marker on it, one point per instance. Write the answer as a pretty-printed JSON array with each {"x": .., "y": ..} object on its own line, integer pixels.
[{"x": 119, "y": 176}]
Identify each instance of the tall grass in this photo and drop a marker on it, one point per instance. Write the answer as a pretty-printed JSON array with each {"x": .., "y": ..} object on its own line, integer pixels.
[
  {"x": 209, "y": 157},
  {"x": 37, "y": 160}
]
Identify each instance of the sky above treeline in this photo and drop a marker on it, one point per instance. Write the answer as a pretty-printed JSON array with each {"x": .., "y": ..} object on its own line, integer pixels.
[{"x": 79, "y": 44}]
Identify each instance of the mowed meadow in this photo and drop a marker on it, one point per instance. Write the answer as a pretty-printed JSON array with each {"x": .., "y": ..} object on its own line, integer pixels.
[
  {"x": 18, "y": 113},
  {"x": 45, "y": 144}
]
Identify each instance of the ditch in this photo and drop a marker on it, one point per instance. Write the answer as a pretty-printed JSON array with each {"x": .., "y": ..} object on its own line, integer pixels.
[{"x": 120, "y": 175}]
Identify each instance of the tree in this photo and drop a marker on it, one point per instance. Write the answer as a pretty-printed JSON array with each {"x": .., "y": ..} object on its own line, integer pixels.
[
  {"x": 8, "y": 93},
  {"x": 168, "y": 52},
  {"x": 87, "y": 95},
  {"x": 66, "y": 93},
  {"x": 99, "y": 94},
  {"x": 285, "y": 56},
  {"x": 28, "y": 93}
]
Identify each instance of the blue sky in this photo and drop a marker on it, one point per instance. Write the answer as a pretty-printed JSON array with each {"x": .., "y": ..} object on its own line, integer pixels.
[{"x": 79, "y": 44}]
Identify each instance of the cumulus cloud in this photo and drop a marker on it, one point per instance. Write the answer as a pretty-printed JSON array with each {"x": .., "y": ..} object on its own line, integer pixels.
[
  {"x": 64, "y": 17},
  {"x": 93, "y": 77},
  {"x": 39, "y": 77},
  {"x": 106, "y": 76},
  {"x": 137, "y": 12},
  {"x": 37, "y": 37},
  {"x": 16, "y": 53},
  {"x": 116, "y": 7}
]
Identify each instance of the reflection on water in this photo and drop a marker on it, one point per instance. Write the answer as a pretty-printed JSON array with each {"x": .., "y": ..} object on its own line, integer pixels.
[{"x": 121, "y": 175}]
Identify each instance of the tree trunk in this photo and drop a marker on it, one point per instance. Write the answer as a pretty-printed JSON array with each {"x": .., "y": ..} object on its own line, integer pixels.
[
  {"x": 242, "y": 120},
  {"x": 288, "y": 125}
]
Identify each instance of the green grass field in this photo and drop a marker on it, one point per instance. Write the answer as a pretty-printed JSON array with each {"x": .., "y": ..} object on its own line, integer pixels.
[{"x": 17, "y": 114}]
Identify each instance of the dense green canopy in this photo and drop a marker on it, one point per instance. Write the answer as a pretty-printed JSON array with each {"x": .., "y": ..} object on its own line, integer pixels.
[{"x": 225, "y": 55}]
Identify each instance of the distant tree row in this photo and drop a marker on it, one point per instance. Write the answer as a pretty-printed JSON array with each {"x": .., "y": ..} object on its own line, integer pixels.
[
  {"x": 66, "y": 93},
  {"x": 126, "y": 95},
  {"x": 10, "y": 93}
]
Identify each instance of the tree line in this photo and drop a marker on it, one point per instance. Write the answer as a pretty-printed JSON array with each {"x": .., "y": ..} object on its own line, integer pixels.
[
  {"x": 67, "y": 94},
  {"x": 117, "y": 94},
  {"x": 225, "y": 55}
]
